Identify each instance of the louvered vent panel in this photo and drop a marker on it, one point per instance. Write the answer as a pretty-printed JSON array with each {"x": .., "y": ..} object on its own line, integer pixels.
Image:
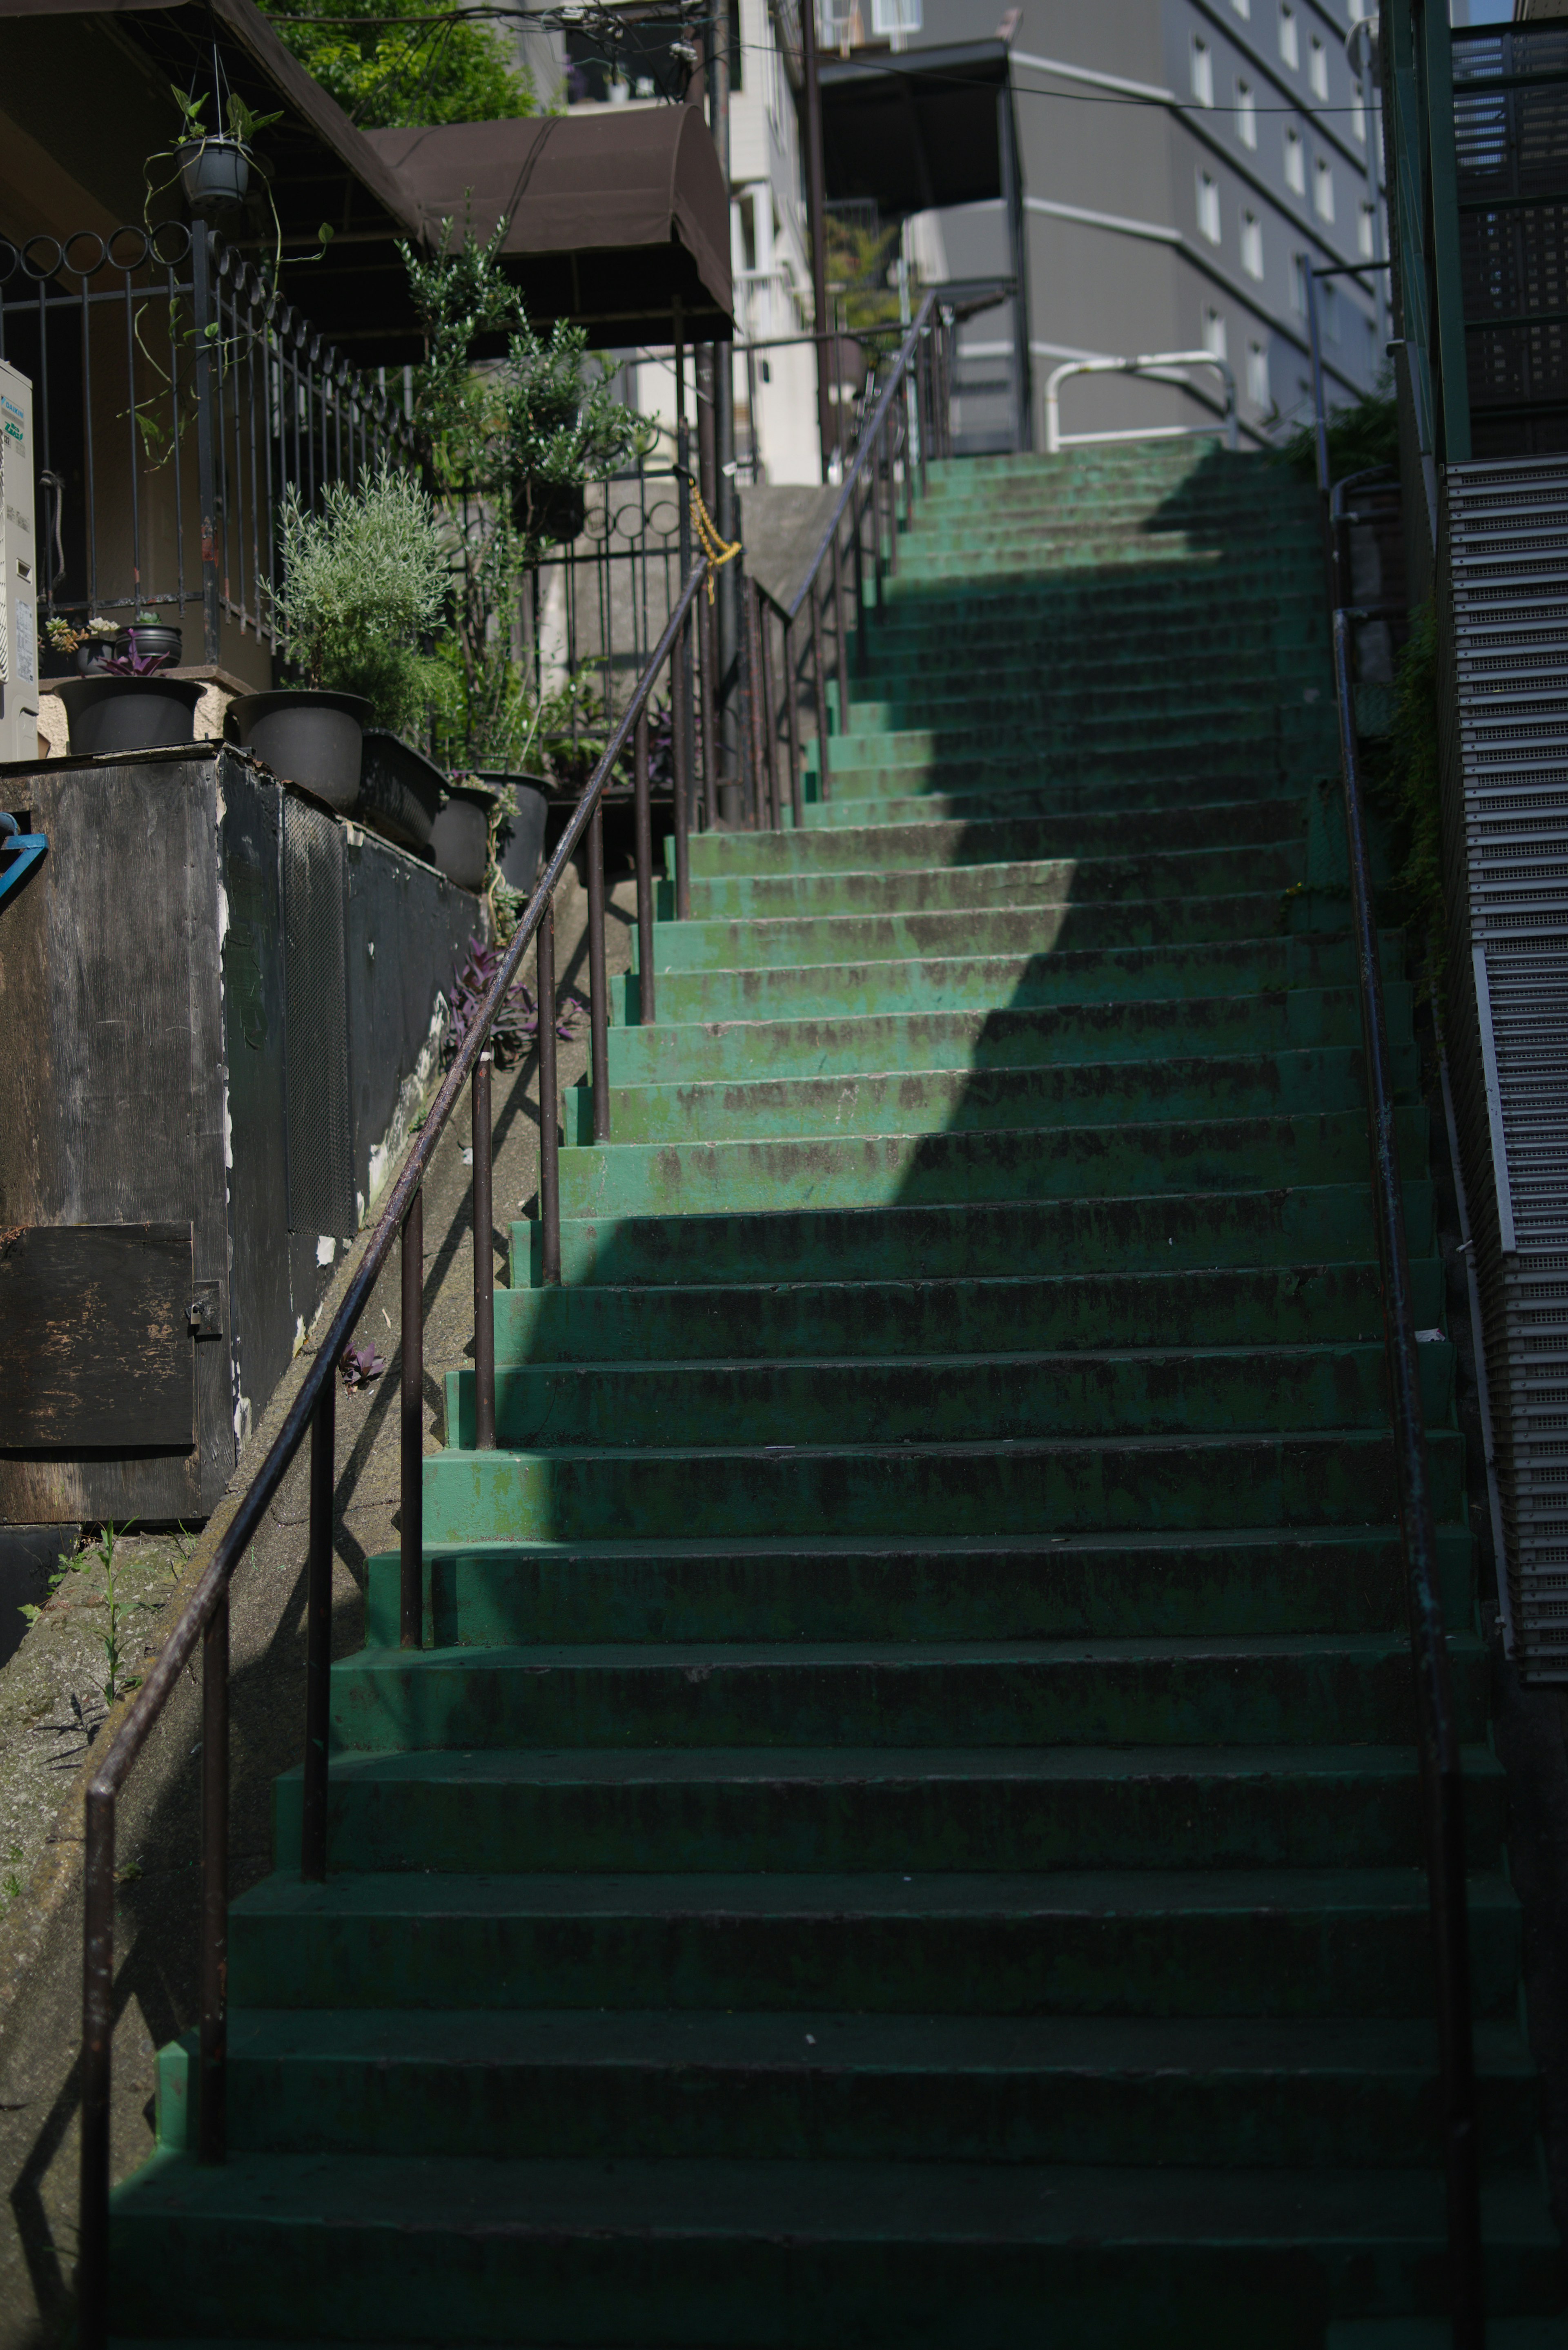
[{"x": 1508, "y": 538}]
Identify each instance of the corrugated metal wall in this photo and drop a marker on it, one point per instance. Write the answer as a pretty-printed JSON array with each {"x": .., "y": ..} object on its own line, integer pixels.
[{"x": 1502, "y": 607}]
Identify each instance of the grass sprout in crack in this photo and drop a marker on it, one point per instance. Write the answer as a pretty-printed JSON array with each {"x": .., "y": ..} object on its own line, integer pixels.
[{"x": 516, "y": 1024}]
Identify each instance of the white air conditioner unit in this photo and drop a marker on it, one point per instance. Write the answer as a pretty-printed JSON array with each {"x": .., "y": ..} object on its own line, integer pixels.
[{"x": 18, "y": 580}]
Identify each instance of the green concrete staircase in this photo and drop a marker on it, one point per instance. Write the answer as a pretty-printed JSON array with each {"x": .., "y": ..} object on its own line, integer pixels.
[{"x": 904, "y": 1834}]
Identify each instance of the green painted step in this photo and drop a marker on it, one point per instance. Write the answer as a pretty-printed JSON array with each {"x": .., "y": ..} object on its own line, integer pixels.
[
  {"x": 1308, "y": 2094},
  {"x": 1001, "y": 1036},
  {"x": 838, "y": 1809},
  {"x": 1283, "y": 1305},
  {"x": 1000, "y": 840},
  {"x": 859, "y": 1399},
  {"x": 929, "y": 1170},
  {"x": 956, "y": 1102},
  {"x": 1220, "y": 968},
  {"x": 1304, "y": 1689},
  {"x": 1119, "y": 1484},
  {"x": 1063, "y": 927},
  {"x": 1214, "y": 1942},
  {"x": 1065, "y": 882},
  {"x": 792, "y": 2254},
  {"x": 968, "y": 1239},
  {"x": 1267, "y": 1580}
]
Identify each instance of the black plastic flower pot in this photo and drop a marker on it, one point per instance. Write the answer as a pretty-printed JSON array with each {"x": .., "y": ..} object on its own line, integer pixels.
[
  {"x": 307, "y": 736},
  {"x": 459, "y": 837},
  {"x": 550, "y": 511},
  {"x": 107, "y": 714},
  {"x": 216, "y": 173},
  {"x": 523, "y": 835},
  {"x": 399, "y": 789},
  {"x": 147, "y": 638}
]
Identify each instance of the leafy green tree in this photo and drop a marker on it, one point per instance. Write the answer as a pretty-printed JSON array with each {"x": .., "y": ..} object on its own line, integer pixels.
[{"x": 389, "y": 74}]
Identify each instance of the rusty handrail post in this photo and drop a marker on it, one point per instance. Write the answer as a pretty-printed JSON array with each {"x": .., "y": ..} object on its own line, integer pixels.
[
  {"x": 679, "y": 778},
  {"x": 317, "y": 1641},
  {"x": 1441, "y": 1770},
  {"x": 483, "y": 1258},
  {"x": 549, "y": 1109},
  {"x": 98, "y": 2034},
  {"x": 411, "y": 1431},
  {"x": 792, "y": 722},
  {"x": 751, "y": 780},
  {"x": 763, "y": 627},
  {"x": 211, "y": 2109},
  {"x": 823, "y": 764},
  {"x": 858, "y": 523},
  {"x": 840, "y": 640},
  {"x": 598, "y": 985},
  {"x": 646, "y": 986}
]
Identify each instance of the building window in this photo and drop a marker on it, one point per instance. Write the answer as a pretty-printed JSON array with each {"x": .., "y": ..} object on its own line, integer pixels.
[
  {"x": 1246, "y": 114},
  {"x": 1323, "y": 188},
  {"x": 1328, "y": 311},
  {"x": 1289, "y": 38},
  {"x": 1258, "y": 374},
  {"x": 1299, "y": 281},
  {"x": 1357, "y": 116},
  {"x": 1208, "y": 206},
  {"x": 1295, "y": 162},
  {"x": 1213, "y": 334},
  {"x": 1317, "y": 69},
  {"x": 891, "y": 17},
  {"x": 1252, "y": 244},
  {"x": 1202, "y": 72},
  {"x": 1242, "y": 7},
  {"x": 1366, "y": 233}
]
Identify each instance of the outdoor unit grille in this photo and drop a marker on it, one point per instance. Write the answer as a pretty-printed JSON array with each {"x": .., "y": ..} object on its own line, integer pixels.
[{"x": 1505, "y": 775}]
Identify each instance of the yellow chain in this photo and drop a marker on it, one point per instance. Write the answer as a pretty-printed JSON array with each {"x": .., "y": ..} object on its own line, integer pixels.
[{"x": 717, "y": 552}]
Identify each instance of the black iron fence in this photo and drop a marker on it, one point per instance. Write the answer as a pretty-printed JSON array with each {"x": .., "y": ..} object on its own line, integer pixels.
[{"x": 177, "y": 396}]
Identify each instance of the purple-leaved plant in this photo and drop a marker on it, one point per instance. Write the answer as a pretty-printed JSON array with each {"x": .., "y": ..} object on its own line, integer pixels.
[{"x": 517, "y": 1024}]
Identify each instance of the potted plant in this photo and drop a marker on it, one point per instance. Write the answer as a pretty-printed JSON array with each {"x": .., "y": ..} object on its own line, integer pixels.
[
  {"x": 216, "y": 165},
  {"x": 85, "y": 644},
  {"x": 127, "y": 705},
  {"x": 511, "y": 448},
  {"x": 363, "y": 580},
  {"x": 147, "y": 634}
]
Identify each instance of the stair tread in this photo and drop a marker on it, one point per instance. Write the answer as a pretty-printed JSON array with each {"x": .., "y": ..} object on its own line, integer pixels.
[
  {"x": 851, "y": 1765},
  {"x": 1016, "y": 1897},
  {"x": 404, "y": 2197}
]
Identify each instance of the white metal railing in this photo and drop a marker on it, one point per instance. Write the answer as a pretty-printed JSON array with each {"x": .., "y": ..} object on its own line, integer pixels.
[{"x": 1158, "y": 364}]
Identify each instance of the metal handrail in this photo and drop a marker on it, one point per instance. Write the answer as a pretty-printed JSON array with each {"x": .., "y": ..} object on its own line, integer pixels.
[
  {"x": 1153, "y": 363},
  {"x": 1441, "y": 1777},
  {"x": 205, "y": 1616},
  {"x": 909, "y": 424}
]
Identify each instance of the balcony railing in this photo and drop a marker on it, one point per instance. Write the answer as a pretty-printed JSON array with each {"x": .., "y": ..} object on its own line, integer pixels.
[{"x": 177, "y": 396}]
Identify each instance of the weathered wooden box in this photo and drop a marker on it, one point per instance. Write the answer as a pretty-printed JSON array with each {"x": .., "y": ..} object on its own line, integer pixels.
[{"x": 220, "y": 1004}]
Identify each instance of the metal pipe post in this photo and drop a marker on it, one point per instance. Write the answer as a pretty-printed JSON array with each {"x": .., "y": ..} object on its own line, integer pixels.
[
  {"x": 827, "y": 417},
  {"x": 710, "y": 670},
  {"x": 680, "y": 764},
  {"x": 840, "y": 624},
  {"x": 318, "y": 1640},
  {"x": 204, "y": 318},
  {"x": 645, "y": 987},
  {"x": 598, "y": 984},
  {"x": 484, "y": 1260},
  {"x": 549, "y": 1108},
  {"x": 770, "y": 708},
  {"x": 792, "y": 722},
  {"x": 411, "y": 1431},
  {"x": 823, "y": 763},
  {"x": 212, "y": 2122},
  {"x": 97, "y": 2035}
]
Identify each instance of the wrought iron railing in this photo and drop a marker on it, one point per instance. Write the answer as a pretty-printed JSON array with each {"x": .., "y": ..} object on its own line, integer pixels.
[{"x": 177, "y": 398}]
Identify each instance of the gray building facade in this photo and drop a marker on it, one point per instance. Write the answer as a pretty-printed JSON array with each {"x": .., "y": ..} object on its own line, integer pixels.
[{"x": 1184, "y": 162}]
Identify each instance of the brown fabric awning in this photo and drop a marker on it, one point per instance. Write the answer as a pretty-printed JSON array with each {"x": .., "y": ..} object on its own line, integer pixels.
[{"x": 616, "y": 217}]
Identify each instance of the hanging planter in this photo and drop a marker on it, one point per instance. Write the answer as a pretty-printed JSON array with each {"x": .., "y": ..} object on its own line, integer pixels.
[
  {"x": 150, "y": 641},
  {"x": 216, "y": 173},
  {"x": 549, "y": 512}
]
